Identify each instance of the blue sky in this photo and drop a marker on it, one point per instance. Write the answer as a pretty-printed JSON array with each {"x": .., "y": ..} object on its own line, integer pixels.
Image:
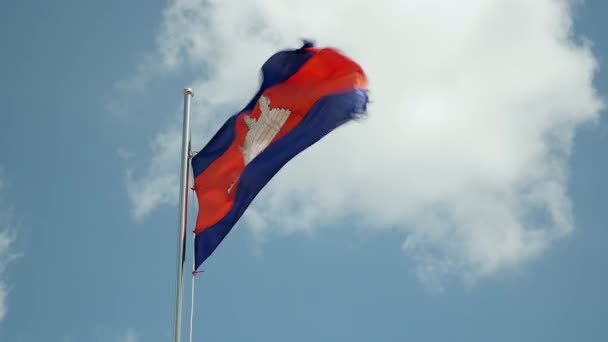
[{"x": 91, "y": 96}]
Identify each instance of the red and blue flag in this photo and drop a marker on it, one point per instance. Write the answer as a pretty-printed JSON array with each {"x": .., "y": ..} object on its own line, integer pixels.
[{"x": 305, "y": 94}]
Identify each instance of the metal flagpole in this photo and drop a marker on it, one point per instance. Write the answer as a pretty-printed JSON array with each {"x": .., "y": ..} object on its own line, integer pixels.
[{"x": 183, "y": 197}]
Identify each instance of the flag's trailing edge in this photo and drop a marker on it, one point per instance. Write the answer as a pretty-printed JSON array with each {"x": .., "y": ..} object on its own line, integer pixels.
[{"x": 305, "y": 94}]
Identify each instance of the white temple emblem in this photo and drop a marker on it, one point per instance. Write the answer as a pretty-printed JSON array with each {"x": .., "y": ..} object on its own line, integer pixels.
[
  {"x": 264, "y": 129},
  {"x": 261, "y": 131}
]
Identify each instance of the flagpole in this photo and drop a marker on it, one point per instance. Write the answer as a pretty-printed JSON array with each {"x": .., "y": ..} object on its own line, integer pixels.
[{"x": 183, "y": 193}]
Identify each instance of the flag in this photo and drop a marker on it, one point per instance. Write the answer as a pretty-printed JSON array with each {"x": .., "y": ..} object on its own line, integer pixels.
[{"x": 304, "y": 94}]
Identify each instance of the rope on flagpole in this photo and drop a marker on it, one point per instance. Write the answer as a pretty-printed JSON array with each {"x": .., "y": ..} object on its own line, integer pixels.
[
  {"x": 192, "y": 305},
  {"x": 194, "y": 271}
]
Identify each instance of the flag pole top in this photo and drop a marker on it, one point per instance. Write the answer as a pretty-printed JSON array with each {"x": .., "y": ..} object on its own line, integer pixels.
[{"x": 188, "y": 91}]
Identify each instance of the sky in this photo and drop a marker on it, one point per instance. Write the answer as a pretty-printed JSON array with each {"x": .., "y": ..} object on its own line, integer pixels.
[{"x": 468, "y": 205}]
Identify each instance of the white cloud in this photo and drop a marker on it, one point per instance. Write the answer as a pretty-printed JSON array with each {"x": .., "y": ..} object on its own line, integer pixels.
[
  {"x": 7, "y": 237},
  {"x": 465, "y": 151},
  {"x": 159, "y": 184},
  {"x": 129, "y": 336},
  {"x": 5, "y": 242}
]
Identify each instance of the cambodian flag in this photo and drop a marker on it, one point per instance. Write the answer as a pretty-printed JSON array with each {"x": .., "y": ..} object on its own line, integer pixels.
[{"x": 304, "y": 95}]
